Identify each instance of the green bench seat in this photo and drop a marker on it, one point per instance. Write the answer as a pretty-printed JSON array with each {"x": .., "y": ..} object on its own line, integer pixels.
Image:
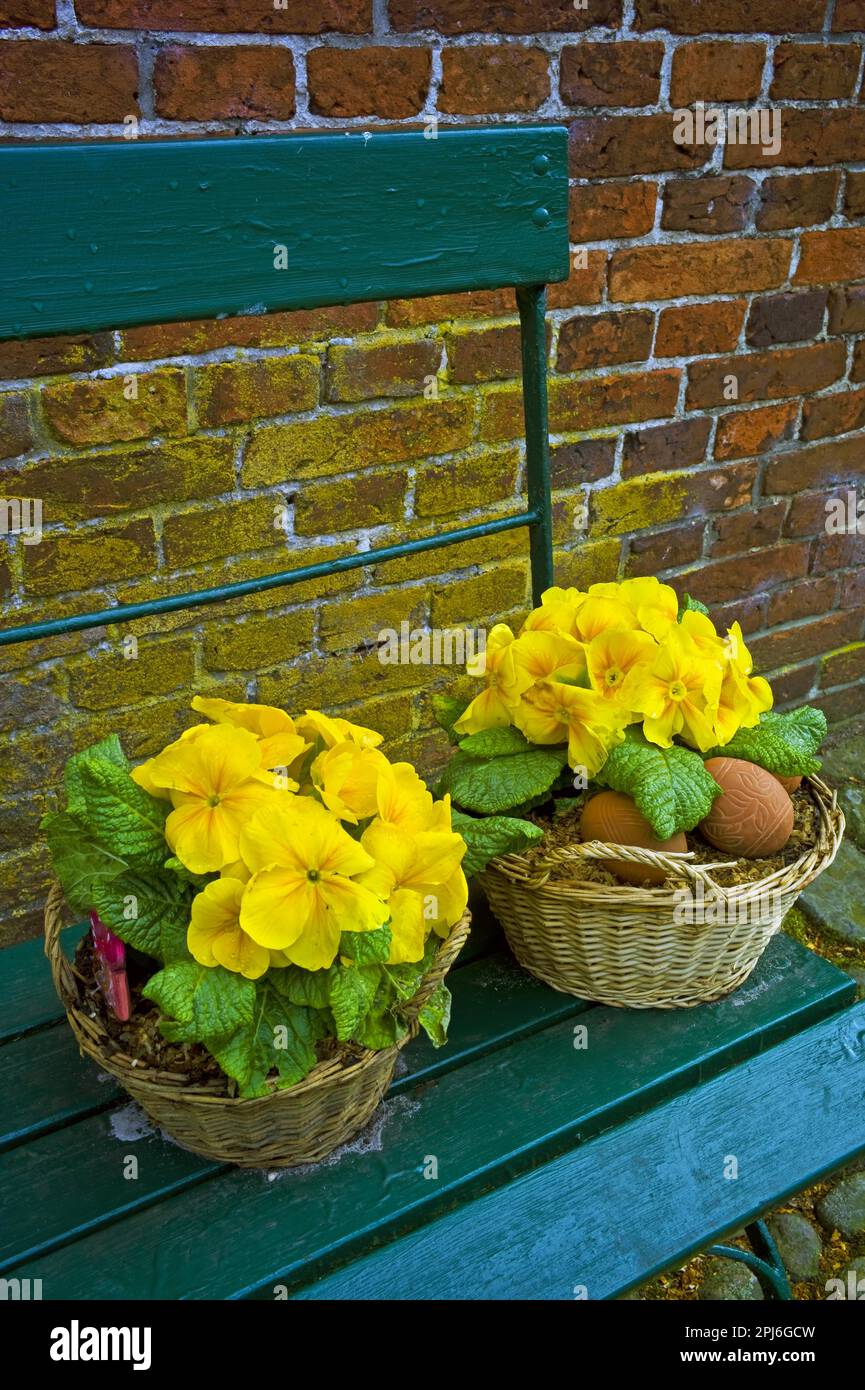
[{"x": 511, "y": 1164}]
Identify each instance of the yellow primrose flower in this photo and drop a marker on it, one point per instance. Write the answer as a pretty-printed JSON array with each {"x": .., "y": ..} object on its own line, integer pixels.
[
  {"x": 599, "y": 613},
  {"x": 346, "y": 777},
  {"x": 557, "y": 612},
  {"x": 743, "y": 697},
  {"x": 214, "y": 780},
  {"x": 704, "y": 635},
  {"x": 552, "y": 712},
  {"x": 613, "y": 655},
  {"x": 303, "y": 893},
  {"x": 409, "y": 871},
  {"x": 544, "y": 654},
  {"x": 281, "y": 744},
  {"x": 313, "y": 724},
  {"x": 505, "y": 683},
  {"x": 215, "y": 936},
  {"x": 655, "y": 604},
  {"x": 677, "y": 694},
  {"x": 404, "y": 800}
]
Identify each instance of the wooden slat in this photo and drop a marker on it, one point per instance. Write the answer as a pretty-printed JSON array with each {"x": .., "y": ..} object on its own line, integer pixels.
[
  {"x": 647, "y": 1195},
  {"x": 495, "y": 1003},
  {"x": 486, "y": 1122},
  {"x": 105, "y": 235},
  {"x": 28, "y": 998}
]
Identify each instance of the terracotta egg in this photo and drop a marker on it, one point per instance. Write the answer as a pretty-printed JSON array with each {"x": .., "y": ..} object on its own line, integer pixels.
[
  {"x": 790, "y": 784},
  {"x": 753, "y": 816},
  {"x": 614, "y": 818}
]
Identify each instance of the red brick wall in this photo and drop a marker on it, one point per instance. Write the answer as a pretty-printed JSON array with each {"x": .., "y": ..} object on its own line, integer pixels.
[{"x": 697, "y": 265}]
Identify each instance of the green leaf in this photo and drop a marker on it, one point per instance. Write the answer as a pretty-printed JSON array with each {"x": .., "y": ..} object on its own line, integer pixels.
[
  {"x": 80, "y": 860},
  {"x": 279, "y": 1037},
  {"x": 214, "y": 1002},
  {"x": 782, "y": 743},
  {"x": 305, "y": 988},
  {"x": 446, "y": 711},
  {"x": 670, "y": 786},
  {"x": 692, "y": 605},
  {"x": 108, "y": 750},
  {"x": 366, "y": 947},
  {"x": 147, "y": 911},
  {"x": 122, "y": 813},
  {"x": 491, "y": 743},
  {"x": 351, "y": 993},
  {"x": 435, "y": 1016},
  {"x": 492, "y": 835},
  {"x": 498, "y": 784}
]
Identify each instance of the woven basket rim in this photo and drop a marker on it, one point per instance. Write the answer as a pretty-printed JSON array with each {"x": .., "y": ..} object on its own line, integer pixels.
[
  {"x": 536, "y": 874},
  {"x": 94, "y": 1039}
]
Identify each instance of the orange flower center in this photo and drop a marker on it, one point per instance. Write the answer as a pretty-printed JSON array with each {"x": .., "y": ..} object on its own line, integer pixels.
[{"x": 613, "y": 676}]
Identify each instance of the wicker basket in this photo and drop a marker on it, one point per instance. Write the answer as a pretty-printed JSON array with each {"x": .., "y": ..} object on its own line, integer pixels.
[
  {"x": 649, "y": 948},
  {"x": 300, "y": 1124}
]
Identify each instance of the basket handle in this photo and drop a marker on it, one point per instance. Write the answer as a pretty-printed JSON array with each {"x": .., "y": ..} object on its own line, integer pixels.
[{"x": 654, "y": 859}]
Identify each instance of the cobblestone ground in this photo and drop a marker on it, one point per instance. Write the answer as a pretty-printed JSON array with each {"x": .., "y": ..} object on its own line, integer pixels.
[{"x": 820, "y": 1232}]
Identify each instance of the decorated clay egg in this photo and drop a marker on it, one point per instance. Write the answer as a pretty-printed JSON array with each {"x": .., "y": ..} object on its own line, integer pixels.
[
  {"x": 613, "y": 818},
  {"x": 790, "y": 784},
  {"x": 753, "y": 816}
]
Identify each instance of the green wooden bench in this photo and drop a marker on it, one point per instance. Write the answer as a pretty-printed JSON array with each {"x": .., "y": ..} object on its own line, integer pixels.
[{"x": 554, "y": 1149}]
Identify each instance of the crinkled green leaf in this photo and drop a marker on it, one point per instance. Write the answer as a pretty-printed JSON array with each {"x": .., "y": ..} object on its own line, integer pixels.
[
  {"x": 80, "y": 860},
  {"x": 305, "y": 988},
  {"x": 670, "y": 786},
  {"x": 491, "y": 743},
  {"x": 498, "y": 784},
  {"x": 692, "y": 605},
  {"x": 280, "y": 1037},
  {"x": 446, "y": 711},
  {"x": 435, "y": 1016},
  {"x": 351, "y": 992},
  {"x": 366, "y": 947},
  {"x": 121, "y": 813},
  {"x": 107, "y": 750},
  {"x": 147, "y": 911},
  {"x": 214, "y": 1001},
  {"x": 782, "y": 743},
  {"x": 491, "y": 835}
]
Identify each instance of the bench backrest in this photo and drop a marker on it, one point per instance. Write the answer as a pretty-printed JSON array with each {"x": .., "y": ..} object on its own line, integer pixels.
[{"x": 111, "y": 235}]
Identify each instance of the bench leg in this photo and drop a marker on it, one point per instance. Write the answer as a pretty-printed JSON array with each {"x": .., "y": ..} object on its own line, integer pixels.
[{"x": 764, "y": 1261}]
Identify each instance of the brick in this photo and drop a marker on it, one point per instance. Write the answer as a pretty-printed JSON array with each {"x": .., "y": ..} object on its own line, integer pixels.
[
  {"x": 357, "y": 623},
  {"x": 857, "y": 370},
  {"x": 592, "y": 404},
  {"x": 807, "y": 599},
  {"x": 690, "y": 330},
  {"x": 439, "y": 308},
  {"x": 371, "y": 81},
  {"x": 26, "y": 655},
  {"x": 853, "y": 590},
  {"x": 106, "y": 678},
  {"x": 484, "y": 354},
  {"x": 744, "y": 530},
  {"x": 586, "y": 564},
  {"x": 501, "y": 17},
  {"x": 834, "y": 553},
  {"x": 361, "y": 372},
  {"x": 707, "y": 71},
  {"x": 467, "y": 483},
  {"x": 797, "y": 200},
  {"x": 727, "y": 16},
  {"x": 823, "y": 465},
  {"x": 854, "y": 194},
  {"x": 778, "y": 374},
  {"x": 814, "y": 71},
  {"x": 212, "y": 84},
  {"x": 257, "y": 642},
  {"x": 793, "y": 685},
  {"x": 494, "y": 592},
  {"x": 786, "y": 318},
  {"x": 16, "y": 432},
  {"x": 33, "y": 698},
  {"x": 665, "y": 448},
  {"x": 372, "y": 499},
  {"x": 346, "y": 443},
  {"x": 619, "y": 146},
  {"x": 598, "y": 211},
  {"x": 847, "y": 309},
  {"x": 585, "y": 461},
  {"x": 37, "y": 14},
  {"x": 825, "y": 257},
  {"x": 839, "y": 413},
  {"x": 248, "y": 330},
  {"x": 720, "y": 267},
  {"x": 85, "y": 558},
  {"x": 842, "y": 704},
  {"x": 599, "y": 340},
  {"x": 229, "y": 16},
  {"x": 19, "y": 819},
  {"x": 749, "y": 613},
  {"x": 223, "y": 528},
  {"x": 706, "y": 204},
  {"x": 487, "y": 80},
  {"x": 723, "y": 581},
  {"x": 332, "y": 680},
  {"x": 807, "y": 515},
  {"x": 746, "y": 433},
  {"x": 110, "y": 409},
  {"x": 584, "y": 285},
  {"x": 21, "y": 358},
  {"x": 611, "y": 74},
  {"x": 79, "y": 487},
  {"x": 462, "y": 555},
  {"x": 810, "y": 135},
  {"x": 849, "y": 15},
  {"x": 5, "y": 578},
  {"x": 33, "y": 760},
  {"x": 230, "y": 393},
  {"x": 655, "y": 498},
  {"x": 664, "y": 550},
  {"x": 54, "y": 81},
  {"x": 796, "y": 644},
  {"x": 277, "y": 559}
]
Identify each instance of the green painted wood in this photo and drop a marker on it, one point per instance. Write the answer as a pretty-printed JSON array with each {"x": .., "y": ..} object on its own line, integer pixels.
[
  {"x": 488, "y": 1121},
  {"x": 646, "y": 1196},
  {"x": 533, "y": 335},
  {"x": 496, "y": 1003},
  {"x": 102, "y": 235},
  {"x": 28, "y": 999}
]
